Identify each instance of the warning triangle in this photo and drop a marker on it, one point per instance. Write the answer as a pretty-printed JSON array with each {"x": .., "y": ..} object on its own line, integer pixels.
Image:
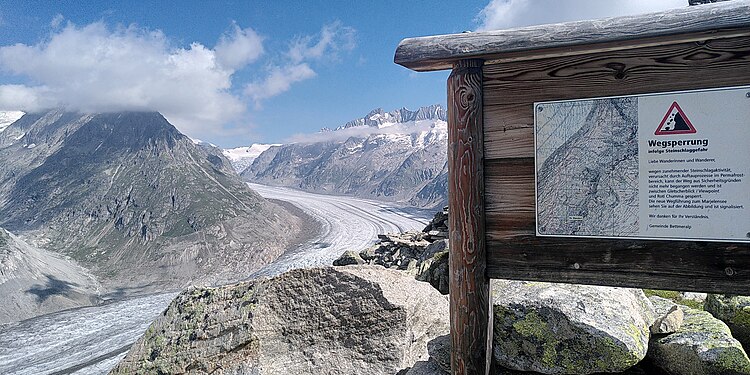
[{"x": 675, "y": 122}]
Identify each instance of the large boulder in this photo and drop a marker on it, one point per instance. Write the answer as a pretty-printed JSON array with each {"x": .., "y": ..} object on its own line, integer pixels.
[
  {"x": 734, "y": 311},
  {"x": 702, "y": 345},
  {"x": 569, "y": 329},
  {"x": 343, "y": 320},
  {"x": 440, "y": 363}
]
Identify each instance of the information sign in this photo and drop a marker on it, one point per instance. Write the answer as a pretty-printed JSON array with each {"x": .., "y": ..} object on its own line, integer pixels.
[{"x": 658, "y": 166}]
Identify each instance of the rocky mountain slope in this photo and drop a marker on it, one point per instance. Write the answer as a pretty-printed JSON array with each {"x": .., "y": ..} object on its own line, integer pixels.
[
  {"x": 395, "y": 156},
  {"x": 35, "y": 281},
  {"x": 133, "y": 199}
]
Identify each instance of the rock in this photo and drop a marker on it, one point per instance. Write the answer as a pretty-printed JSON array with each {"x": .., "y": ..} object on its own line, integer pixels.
[
  {"x": 702, "y": 345},
  {"x": 440, "y": 351},
  {"x": 435, "y": 272},
  {"x": 691, "y": 296},
  {"x": 421, "y": 254},
  {"x": 668, "y": 322},
  {"x": 343, "y": 320},
  {"x": 440, "y": 362},
  {"x": 428, "y": 367},
  {"x": 433, "y": 248},
  {"x": 735, "y": 312},
  {"x": 348, "y": 258},
  {"x": 569, "y": 329}
]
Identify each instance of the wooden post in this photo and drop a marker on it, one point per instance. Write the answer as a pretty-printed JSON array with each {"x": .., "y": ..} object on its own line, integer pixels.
[{"x": 469, "y": 285}]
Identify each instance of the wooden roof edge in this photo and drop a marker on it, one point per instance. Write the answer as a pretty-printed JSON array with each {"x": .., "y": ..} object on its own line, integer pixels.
[{"x": 693, "y": 23}]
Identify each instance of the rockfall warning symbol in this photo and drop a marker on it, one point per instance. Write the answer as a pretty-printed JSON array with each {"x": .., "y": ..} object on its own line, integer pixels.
[{"x": 675, "y": 122}]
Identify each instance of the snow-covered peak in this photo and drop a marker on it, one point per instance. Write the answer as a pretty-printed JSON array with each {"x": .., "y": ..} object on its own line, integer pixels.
[
  {"x": 9, "y": 117},
  {"x": 201, "y": 143},
  {"x": 243, "y": 157},
  {"x": 378, "y": 118}
]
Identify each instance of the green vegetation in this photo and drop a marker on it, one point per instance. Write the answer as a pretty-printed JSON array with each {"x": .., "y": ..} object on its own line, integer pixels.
[{"x": 675, "y": 296}]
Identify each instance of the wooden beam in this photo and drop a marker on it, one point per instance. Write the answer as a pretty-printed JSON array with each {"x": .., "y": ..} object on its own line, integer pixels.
[
  {"x": 469, "y": 286},
  {"x": 688, "y": 24}
]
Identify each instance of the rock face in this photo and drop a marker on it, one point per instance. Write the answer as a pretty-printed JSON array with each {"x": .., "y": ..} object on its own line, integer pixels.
[
  {"x": 398, "y": 156},
  {"x": 34, "y": 281},
  {"x": 702, "y": 345},
  {"x": 344, "y": 320},
  {"x": 134, "y": 200},
  {"x": 735, "y": 312},
  {"x": 669, "y": 322},
  {"x": 569, "y": 329},
  {"x": 423, "y": 254}
]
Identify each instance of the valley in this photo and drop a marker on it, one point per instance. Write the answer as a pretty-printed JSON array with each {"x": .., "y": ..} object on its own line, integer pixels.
[{"x": 91, "y": 340}]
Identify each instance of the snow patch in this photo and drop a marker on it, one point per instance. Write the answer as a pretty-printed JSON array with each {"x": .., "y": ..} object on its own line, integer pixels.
[
  {"x": 243, "y": 157},
  {"x": 199, "y": 142},
  {"x": 9, "y": 117}
]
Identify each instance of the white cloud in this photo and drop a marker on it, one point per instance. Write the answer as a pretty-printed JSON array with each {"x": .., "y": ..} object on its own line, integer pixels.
[
  {"x": 14, "y": 97},
  {"x": 95, "y": 69},
  {"x": 503, "y": 14},
  {"x": 332, "y": 39},
  {"x": 56, "y": 21},
  {"x": 238, "y": 48},
  {"x": 279, "y": 80}
]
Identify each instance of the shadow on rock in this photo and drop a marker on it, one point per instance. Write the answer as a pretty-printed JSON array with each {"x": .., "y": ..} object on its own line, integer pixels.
[{"x": 53, "y": 286}]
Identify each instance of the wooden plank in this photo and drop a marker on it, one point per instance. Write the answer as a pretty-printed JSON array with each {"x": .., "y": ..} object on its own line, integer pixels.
[
  {"x": 469, "y": 286},
  {"x": 726, "y": 19},
  {"x": 672, "y": 265},
  {"x": 511, "y": 88}
]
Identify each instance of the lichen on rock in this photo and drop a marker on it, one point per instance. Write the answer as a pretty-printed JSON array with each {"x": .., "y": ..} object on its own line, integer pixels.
[
  {"x": 343, "y": 320},
  {"x": 702, "y": 345},
  {"x": 734, "y": 311},
  {"x": 568, "y": 329}
]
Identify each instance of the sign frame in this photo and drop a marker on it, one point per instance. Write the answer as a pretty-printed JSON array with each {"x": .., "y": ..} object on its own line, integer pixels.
[{"x": 536, "y": 106}]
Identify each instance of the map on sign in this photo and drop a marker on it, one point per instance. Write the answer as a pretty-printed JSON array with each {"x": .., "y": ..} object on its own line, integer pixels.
[
  {"x": 669, "y": 165},
  {"x": 587, "y": 167}
]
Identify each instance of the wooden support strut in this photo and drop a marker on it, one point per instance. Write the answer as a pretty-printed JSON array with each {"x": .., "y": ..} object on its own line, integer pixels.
[{"x": 469, "y": 285}]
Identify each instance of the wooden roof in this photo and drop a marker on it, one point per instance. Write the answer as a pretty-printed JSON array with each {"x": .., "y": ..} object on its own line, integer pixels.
[{"x": 693, "y": 23}]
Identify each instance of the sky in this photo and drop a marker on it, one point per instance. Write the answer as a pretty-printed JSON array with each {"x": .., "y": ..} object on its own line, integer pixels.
[{"x": 235, "y": 73}]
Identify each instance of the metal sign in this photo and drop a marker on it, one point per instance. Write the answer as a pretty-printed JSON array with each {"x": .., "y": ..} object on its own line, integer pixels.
[{"x": 659, "y": 166}]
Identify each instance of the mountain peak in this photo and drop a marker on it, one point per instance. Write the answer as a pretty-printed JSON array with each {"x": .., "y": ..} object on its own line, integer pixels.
[{"x": 378, "y": 117}]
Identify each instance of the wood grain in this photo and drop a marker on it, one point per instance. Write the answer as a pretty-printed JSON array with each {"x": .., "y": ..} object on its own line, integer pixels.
[
  {"x": 469, "y": 286},
  {"x": 513, "y": 249},
  {"x": 583, "y": 37},
  {"x": 672, "y": 265},
  {"x": 512, "y": 88}
]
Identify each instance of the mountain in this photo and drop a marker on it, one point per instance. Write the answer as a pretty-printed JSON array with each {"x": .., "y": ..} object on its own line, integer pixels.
[
  {"x": 395, "y": 156},
  {"x": 8, "y": 117},
  {"x": 34, "y": 281},
  {"x": 243, "y": 157},
  {"x": 130, "y": 197}
]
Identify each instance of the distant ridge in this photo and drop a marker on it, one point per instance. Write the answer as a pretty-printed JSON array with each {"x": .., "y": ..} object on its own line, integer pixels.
[
  {"x": 407, "y": 164},
  {"x": 379, "y": 118}
]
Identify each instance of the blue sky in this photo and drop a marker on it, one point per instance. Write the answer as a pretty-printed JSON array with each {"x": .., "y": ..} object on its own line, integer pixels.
[{"x": 241, "y": 72}]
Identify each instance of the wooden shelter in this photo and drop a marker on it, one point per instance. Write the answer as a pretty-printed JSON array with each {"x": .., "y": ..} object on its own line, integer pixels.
[{"x": 497, "y": 77}]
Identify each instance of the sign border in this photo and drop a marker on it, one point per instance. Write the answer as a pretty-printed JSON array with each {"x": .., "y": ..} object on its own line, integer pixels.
[{"x": 536, "y": 168}]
